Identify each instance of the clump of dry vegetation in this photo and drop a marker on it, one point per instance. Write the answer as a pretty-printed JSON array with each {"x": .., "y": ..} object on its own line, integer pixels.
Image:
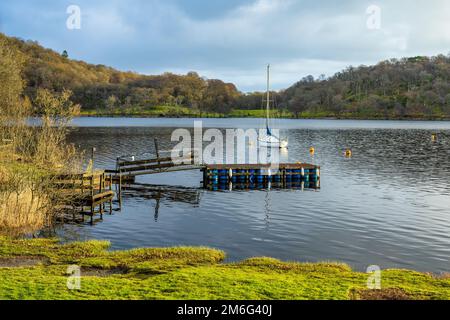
[
  {"x": 22, "y": 209},
  {"x": 30, "y": 153}
]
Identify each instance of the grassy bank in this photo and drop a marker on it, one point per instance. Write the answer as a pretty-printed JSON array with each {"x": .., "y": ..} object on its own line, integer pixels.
[
  {"x": 155, "y": 112},
  {"x": 183, "y": 112},
  {"x": 37, "y": 269}
]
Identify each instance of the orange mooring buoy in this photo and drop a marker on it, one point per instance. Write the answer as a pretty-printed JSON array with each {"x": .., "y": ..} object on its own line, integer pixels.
[
  {"x": 348, "y": 153},
  {"x": 312, "y": 151}
]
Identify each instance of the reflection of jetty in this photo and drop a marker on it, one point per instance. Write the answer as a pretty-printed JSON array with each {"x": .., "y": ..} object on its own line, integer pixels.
[{"x": 162, "y": 192}]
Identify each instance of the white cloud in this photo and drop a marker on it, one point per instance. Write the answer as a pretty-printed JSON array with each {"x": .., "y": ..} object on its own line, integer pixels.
[{"x": 299, "y": 37}]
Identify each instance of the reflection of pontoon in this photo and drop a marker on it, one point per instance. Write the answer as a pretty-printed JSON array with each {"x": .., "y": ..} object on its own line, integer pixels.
[{"x": 303, "y": 185}]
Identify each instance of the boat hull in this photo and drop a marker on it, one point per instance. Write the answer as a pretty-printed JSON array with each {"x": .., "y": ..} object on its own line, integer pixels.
[{"x": 272, "y": 142}]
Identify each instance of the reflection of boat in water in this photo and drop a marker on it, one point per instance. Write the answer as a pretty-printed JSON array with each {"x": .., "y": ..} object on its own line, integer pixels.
[{"x": 268, "y": 139}]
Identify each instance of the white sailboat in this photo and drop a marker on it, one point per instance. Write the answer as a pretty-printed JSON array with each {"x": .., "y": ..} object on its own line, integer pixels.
[{"x": 268, "y": 139}]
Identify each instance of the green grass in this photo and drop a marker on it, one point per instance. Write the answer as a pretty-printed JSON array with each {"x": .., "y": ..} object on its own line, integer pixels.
[
  {"x": 188, "y": 273},
  {"x": 177, "y": 111},
  {"x": 259, "y": 113},
  {"x": 154, "y": 112},
  {"x": 183, "y": 112}
]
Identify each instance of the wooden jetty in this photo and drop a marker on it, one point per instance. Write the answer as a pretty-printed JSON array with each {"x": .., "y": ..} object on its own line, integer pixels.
[
  {"x": 217, "y": 174},
  {"x": 129, "y": 169},
  {"x": 260, "y": 174},
  {"x": 88, "y": 193},
  {"x": 94, "y": 190},
  {"x": 220, "y": 173}
]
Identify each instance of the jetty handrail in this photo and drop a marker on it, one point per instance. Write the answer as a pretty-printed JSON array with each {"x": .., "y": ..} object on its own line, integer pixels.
[
  {"x": 152, "y": 156},
  {"x": 163, "y": 161},
  {"x": 82, "y": 182}
]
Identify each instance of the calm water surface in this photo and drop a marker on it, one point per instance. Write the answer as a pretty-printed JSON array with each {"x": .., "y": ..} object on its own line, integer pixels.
[{"x": 389, "y": 205}]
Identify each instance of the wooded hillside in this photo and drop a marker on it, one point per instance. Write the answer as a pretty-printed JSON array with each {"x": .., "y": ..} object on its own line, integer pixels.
[{"x": 416, "y": 87}]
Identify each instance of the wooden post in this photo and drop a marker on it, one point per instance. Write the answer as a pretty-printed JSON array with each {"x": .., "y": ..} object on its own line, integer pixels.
[
  {"x": 93, "y": 159},
  {"x": 120, "y": 190},
  {"x": 110, "y": 182},
  {"x": 157, "y": 152},
  {"x": 92, "y": 186},
  {"x": 101, "y": 209},
  {"x": 205, "y": 177}
]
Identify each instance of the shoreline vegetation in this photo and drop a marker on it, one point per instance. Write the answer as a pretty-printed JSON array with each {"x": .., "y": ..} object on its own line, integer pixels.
[
  {"x": 40, "y": 269},
  {"x": 31, "y": 156},
  {"x": 407, "y": 88},
  {"x": 251, "y": 114}
]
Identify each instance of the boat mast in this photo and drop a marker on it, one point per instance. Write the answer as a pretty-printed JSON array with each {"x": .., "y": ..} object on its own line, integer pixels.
[{"x": 268, "y": 100}]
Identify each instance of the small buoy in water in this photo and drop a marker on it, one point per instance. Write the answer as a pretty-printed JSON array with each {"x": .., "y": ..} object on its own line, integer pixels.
[
  {"x": 348, "y": 153},
  {"x": 312, "y": 151},
  {"x": 434, "y": 137},
  {"x": 132, "y": 158}
]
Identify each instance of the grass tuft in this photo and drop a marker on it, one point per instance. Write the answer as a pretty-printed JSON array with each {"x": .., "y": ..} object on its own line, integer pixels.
[{"x": 36, "y": 269}]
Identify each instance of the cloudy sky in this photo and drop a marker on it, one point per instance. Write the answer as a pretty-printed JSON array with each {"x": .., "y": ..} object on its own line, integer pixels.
[{"x": 233, "y": 40}]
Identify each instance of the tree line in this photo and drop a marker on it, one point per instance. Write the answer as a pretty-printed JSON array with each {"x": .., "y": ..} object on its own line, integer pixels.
[{"x": 415, "y": 87}]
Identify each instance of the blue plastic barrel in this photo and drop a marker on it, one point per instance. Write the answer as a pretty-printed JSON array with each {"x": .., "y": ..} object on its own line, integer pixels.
[
  {"x": 251, "y": 176},
  {"x": 269, "y": 177},
  {"x": 234, "y": 178},
  {"x": 214, "y": 176},
  {"x": 260, "y": 176},
  {"x": 223, "y": 176},
  {"x": 242, "y": 177},
  {"x": 307, "y": 174},
  {"x": 288, "y": 175},
  {"x": 297, "y": 175}
]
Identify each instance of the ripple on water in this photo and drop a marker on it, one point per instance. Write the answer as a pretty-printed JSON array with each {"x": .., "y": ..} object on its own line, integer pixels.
[{"x": 387, "y": 205}]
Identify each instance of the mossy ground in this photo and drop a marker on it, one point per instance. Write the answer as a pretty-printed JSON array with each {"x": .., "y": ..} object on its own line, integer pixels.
[{"x": 188, "y": 273}]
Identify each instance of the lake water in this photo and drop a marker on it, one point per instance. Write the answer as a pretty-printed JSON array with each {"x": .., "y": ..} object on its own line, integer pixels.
[{"x": 389, "y": 205}]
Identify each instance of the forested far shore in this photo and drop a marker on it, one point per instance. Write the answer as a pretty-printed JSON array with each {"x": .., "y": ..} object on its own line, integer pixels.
[{"x": 407, "y": 88}]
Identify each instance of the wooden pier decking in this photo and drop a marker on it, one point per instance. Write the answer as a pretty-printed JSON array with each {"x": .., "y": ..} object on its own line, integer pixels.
[
  {"x": 154, "y": 165},
  {"x": 88, "y": 193},
  {"x": 127, "y": 169}
]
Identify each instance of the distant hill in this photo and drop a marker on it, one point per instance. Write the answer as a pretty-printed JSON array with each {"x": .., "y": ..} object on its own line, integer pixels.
[
  {"x": 408, "y": 88},
  {"x": 100, "y": 88},
  {"x": 416, "y": 87}
]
